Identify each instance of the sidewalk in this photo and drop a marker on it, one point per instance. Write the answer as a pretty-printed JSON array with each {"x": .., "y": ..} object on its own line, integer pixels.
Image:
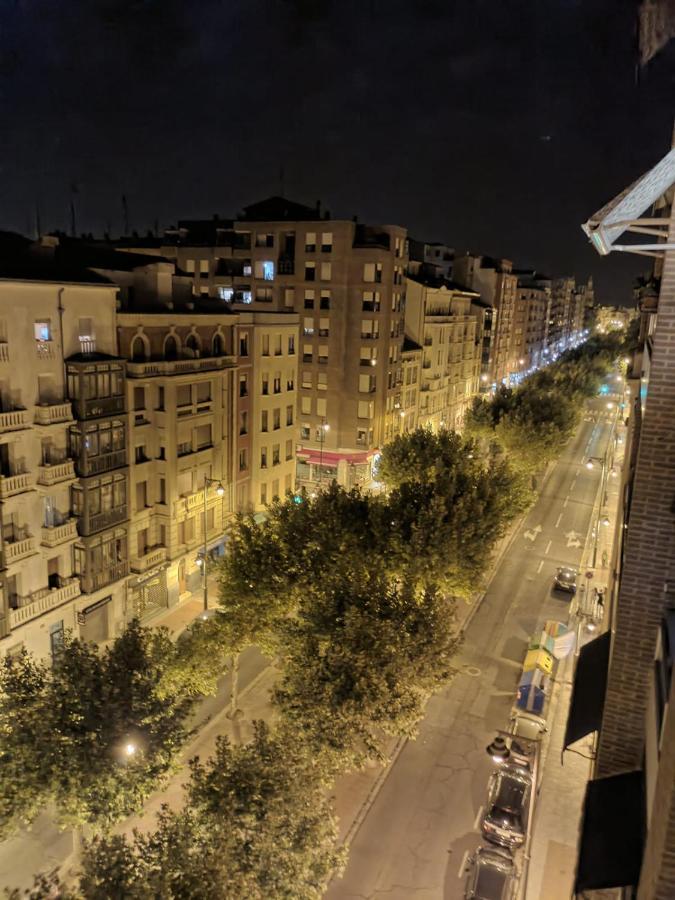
[{"x": 557, "y": 816}]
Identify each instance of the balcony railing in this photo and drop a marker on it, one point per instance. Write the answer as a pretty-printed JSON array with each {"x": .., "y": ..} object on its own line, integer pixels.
[
  {"x": 14, "y": 420},
  {"x": 42, "y": 601},
  {"x": 53, "y": 413},
  {"x": 92, "y": 581},
  {"x": 90, "y": 524},
  {"x": 104, "y": 462},
  {"x": 159, "y": 367},
  {"x": 4, "y": 352},
  {"x": 152, "y": 557},
  {"x": 16, "y": 550},
  {"x": 15, "y": 484},
  {"x": 53, "y": 535},
  {"x": 45, "y": 349},
  {"x": 55, "y": 474}
]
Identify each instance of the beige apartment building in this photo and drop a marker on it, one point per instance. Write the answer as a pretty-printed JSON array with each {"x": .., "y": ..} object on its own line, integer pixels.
[
  {"x": 345, "y": 282},
  {"x": 533, "y": 303},
  {"x": 441, "y": 319},
  {"x": 63, "y": 453}
]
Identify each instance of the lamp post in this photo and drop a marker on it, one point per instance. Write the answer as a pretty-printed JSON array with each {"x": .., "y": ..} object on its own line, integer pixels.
[
  {"x": 220, "y": 490},
  {"x": 323, "y": 428}
]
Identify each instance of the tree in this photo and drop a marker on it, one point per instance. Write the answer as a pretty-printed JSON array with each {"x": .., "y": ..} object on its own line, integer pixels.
[
  {"x": 361, "y": 659},
  {"x": 65, "y": 730},
  {"x": 422, "y": 455},
  {"x": 257, "y": 824}
]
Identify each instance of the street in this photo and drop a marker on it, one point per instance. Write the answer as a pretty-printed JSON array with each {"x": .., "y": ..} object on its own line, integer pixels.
[{"x": 416, "y": 837}]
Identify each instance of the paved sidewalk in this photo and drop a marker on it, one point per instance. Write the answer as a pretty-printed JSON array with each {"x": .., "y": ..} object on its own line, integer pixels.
[{"x": 557, "y": 817}]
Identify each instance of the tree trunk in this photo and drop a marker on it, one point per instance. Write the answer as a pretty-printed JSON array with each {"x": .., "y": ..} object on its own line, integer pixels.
[{"x": 235, "y": 712}]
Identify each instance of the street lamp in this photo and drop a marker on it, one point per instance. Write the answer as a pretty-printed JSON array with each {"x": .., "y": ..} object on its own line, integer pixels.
[
  {"x": 323, "y": 428},
  {"x": 498, "y": 750},
  {"x": 220, "y": 491}
]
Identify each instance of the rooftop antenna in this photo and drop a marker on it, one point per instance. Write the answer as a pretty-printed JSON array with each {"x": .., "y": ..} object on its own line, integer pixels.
[{"x": 125, "y": 214}]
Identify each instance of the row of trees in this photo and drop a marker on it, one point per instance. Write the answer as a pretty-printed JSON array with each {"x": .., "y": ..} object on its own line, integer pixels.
[{"x": 353, "y": 597}]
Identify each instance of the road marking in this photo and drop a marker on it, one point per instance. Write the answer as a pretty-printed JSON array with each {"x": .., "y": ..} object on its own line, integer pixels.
[
  {"x": 462, "y": 865},
  {"x": 557, "y": 521},
  {"x": 566, "y": 500},
  {"x": 548, "y": 547},
  {"x": 541, "y": 563},
  {"x": 572, "y": 485},
  {"x": 476, "y": 823}
]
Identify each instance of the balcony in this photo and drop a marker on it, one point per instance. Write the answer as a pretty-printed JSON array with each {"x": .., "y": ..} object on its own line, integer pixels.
[
  {"x": 4, "y": 352},
  {"x": 93, "y": 581},
  {"x": 53, "y": 535},
  {"x": 14, "y": 420},
  {"x": 58, "y": 473},
  {"x": 95, "y": 522},
  {"x": 152, "y": 557},
  {"x": 46, "y": 349},
  {"x": 53, "y": 413},
  {"x": 97, "y": 407},
  {"x": 104, "y": 462},
  {"x": 19, "y": 549},
  {"x": 43, "y": 601},
  {"x": 15, "y": 484},
  {"x": 163, "y": 367}
]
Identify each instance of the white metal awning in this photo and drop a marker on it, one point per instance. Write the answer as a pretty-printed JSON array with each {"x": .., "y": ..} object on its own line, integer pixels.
[{"x": 624, "y": 213}]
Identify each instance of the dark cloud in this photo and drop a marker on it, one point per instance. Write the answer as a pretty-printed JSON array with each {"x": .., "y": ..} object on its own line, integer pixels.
[{"x": 498, "y": 126}]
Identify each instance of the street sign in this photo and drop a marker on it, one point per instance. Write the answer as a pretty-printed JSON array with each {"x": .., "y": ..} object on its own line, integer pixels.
[{"x": 589, "y": 574}]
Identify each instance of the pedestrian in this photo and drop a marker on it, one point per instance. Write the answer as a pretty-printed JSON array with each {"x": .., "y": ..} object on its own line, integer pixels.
[{"x": 600, "y": 597}]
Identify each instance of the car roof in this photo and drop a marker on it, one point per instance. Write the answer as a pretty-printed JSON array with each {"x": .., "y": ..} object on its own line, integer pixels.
[{"x": 511, "y": 787}]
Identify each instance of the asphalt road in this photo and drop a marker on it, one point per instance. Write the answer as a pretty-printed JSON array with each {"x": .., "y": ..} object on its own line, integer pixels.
[{"x": 414, "y": 840}]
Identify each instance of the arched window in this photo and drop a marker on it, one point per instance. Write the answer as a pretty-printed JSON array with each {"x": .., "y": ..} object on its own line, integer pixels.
[
  {"x": 217, "y": 344},
  {"x": 192, "y": 343},
  {"x": 171, "y": 348},
  {"x": 138, "y": 349}
]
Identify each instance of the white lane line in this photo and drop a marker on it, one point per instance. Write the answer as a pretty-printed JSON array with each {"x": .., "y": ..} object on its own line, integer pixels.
[
  {"x": 548, "y": 547},
  {"x": 539, "y": 568},
  {"x": 476, "y": 823},
  {"x": 572, "y": 485},
  {"x": 566, "y": 500},
  {"x": 462, "y": 865},
  {"x": 557, "y": 521}
]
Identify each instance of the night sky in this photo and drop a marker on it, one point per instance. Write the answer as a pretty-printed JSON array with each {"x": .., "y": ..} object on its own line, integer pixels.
[{"x": 493, "y": 126}]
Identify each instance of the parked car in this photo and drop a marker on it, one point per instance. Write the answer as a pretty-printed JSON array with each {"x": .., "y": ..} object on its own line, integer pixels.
[
  {"x": 527, "y": 729},
  {"x": 505, "y": 818},
  {"x": 566, "y": 579},
  {"x": 492, "y": 875}
]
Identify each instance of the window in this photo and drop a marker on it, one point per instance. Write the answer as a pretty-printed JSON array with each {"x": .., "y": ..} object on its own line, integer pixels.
[
  {"x": 323, "y": 353},
  {"x": 263, "y": 457},
  {"x": 190, "y": 265},
  {"x": 268, "y": 270},
  {"x": 365, "y": 409},
  {"x": 289, "y": 415},
  {"x": 56, "y": 634},
  {"x": 243, "y": 385},
  {"x": 141, "y": 495},
  {"x": 309, "y": 299},
  {"x": 306, "y": 405},
  {"x": 139, "y": 398},
  {"x": 305, "y": 430},
  {"x": 265, "y": 383},
  {"x": 276, "y": 419},
  {"x": 370, "y": 329},
  {"x": 366, "y": 383},
  {"x": 289, "y": 298},
  {"x": 322, "y": 381},
  {"x": 307, "y": 353},
  {"x": 263, "y": 493},
  {"x": 275, "y": 455},
  {"x": 325, "y": 299},
  {"x": 184, "y": 395},
  {"x": 306, "y": 379},
  {"x": 140, "y": 456},
  {"x": 243, "y": 345},
  {"x": 290, "y": 382},
  {"x": 291, "y": 345},
  {"x": 160, "y": 398},
  {"x": 289, "y": 450},
  {"x": 370, "y": 301},
  {"x": 204, "y": 266},
  {"x": 310, "y": 242},
  {"x": 324, "y": 327},
  {"x": 243, "y": 422},
  {"x": 264, "y": 295},
  {"x": 361, "y": 435},
  {"x": 310, "y": 271},
  {"x": 372, "y": 272},
  {"x": 326, "y": 271},
  {"x": 265, "y": 345},
  {"x": 43, "y": 330},
  {"x": 137, "y": 349},
  {"x": 321, "y": 406},
  {"x": 263, "y": 239},
  {"x": 217, "y": 345},
  {"x": 243, "y": 462},
  {"x": 277, "y": 345},
  {"x": 277, "y": 382},
  {"x": 226, "y": 294},
  {"x": 162, "y": 491},
  {"x": 308, "y": 326},
  {"x": 263, "y": 420},
  {"x": 327, "y": 242}
]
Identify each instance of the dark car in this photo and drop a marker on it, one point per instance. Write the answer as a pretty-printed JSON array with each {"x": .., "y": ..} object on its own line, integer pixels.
[
  {"x": 566, "y": 579},
  {"x": 505, "y": 817},
  {"x": 492, "y": 875}
]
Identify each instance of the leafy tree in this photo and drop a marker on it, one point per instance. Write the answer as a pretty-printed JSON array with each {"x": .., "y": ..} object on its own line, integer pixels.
[
  {"x": 257, "y": 825},
  {"x": 63, "y": 730},
  {"x": 422, "y": 456},
  {"x": 361, "y": 659}
]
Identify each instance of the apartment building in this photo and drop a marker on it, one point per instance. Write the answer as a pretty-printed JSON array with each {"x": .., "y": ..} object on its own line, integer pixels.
[
  {"x": 561, "y": 315},
  {"x": 439, "y": 318},
  {"x": 533, "y": 311},
  {"x": 495, "y": 282},
  {"x": 408, "y": 404},
  {"x": 430, "y": 259},
  {"x": 345, "y": 282},
  {"x": 63, "y": 452}
]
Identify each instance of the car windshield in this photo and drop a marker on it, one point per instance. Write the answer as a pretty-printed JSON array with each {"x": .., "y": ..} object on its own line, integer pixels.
[
  {"x": 490, "y": 882},
  {"x": 567, "y": 574},
  {"x": 510, "y": 794}
]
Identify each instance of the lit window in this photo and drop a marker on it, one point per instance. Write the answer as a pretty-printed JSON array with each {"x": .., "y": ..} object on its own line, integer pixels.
[
  {"x": 268, "y": 270},
  {"x": 226, "y": 293},
  {"x": 327, "y": 242},
  {"x": 310, "y": 242},
  {"x": 246, "y": 297},
  {"x": 43, "y": 331}
]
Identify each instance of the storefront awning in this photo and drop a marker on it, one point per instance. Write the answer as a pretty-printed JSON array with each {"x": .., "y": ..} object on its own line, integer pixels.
[
  {"x": 612, "y": 833},
  {"x": 588, "y": 693}
]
